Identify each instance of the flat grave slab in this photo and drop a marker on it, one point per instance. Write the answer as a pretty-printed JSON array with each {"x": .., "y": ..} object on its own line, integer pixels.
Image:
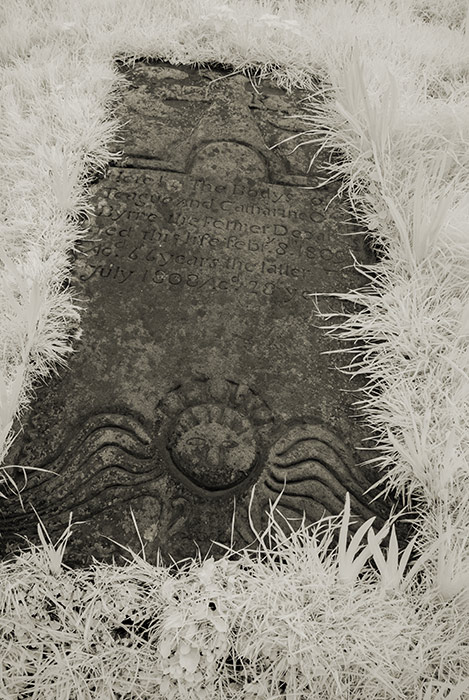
[{"x": 199, "y": 386}]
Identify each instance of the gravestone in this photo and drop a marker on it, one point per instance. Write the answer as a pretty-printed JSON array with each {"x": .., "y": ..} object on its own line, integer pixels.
[{"x": 199, "y": 386}]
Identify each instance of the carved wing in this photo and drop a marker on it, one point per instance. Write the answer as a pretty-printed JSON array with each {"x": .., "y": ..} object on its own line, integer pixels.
[
  {"x": 108, "y": 459},
  {"x": 312, "y": 467}
]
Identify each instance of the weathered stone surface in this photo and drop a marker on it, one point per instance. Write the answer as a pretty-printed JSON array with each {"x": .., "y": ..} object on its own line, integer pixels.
[{"x": 200, "y": 371}]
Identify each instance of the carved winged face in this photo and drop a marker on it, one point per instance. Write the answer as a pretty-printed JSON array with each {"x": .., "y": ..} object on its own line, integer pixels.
[{"x": 215, "y": 439}]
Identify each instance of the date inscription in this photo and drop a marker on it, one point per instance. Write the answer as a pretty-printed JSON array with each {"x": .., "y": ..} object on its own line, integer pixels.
[{"x": 162, "y": 229}]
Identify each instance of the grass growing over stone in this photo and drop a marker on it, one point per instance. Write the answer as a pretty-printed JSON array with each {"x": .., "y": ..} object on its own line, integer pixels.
[
  {"x": 293, "y": 617},
  {"x": 299, "y": 616}
]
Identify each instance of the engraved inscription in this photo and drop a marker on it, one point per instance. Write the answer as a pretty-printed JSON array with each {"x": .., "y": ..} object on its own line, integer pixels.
[{"x": 171, "y": 231}]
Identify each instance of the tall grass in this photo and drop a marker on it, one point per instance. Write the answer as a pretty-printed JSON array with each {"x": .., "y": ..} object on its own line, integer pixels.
[{"x": 299, "y": 616}]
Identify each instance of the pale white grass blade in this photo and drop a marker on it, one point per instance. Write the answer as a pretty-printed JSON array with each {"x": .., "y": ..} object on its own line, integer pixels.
[{"x": 350, "y": 559}]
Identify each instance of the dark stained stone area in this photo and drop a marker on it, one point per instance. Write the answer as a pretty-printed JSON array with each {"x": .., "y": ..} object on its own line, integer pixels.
[{"x": 200, "y": 371}]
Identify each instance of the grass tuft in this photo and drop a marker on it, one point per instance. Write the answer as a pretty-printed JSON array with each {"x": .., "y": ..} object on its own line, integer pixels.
[{"x": 298, "y": 616}]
